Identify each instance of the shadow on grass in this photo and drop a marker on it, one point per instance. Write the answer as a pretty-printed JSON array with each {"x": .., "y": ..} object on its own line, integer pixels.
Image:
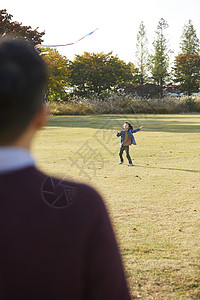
[
  {"x": 171, "y": 169},
  {"x": 151, "y": 123}
]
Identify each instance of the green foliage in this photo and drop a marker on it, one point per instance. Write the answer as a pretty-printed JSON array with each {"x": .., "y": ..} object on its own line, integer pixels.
[
  {"x": 58, "y": 66},
  {"x": 98, "y": 74},
  {"x": 16, "y": 29},
  {"x": 189, "y": 40},
  {"x": 142, "y": 54},
  {"x": 94, "y": 73},
  {"x": 187, "y": 72},
  {"x": 190, "y": 104},
  {"x": 136, "y": 75},
  {"x": 160, "y": 58},
  {"x": 187, "y": 63}
]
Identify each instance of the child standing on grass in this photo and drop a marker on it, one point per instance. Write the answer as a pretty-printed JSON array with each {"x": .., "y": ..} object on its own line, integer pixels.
[{"x": 127, "y": 139}]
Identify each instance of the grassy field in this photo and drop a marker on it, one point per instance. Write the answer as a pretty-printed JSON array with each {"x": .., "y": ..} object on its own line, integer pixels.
[{"x": 154, "y": 206}]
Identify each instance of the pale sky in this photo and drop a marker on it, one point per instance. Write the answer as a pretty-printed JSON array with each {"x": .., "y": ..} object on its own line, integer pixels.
[{"x": 118, "y": 22}]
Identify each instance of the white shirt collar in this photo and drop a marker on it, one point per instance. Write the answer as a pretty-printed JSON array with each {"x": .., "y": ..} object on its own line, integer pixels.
[{"x": 14, "y": 158}]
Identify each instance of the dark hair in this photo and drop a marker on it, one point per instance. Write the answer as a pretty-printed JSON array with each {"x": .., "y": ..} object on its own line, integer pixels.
[
  {"x": 23, "y": 82},
  {"x": 130, "y": 126}
]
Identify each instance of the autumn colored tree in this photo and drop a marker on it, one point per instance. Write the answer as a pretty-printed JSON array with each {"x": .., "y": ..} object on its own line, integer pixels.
[
  {"x": 93, "y": 73},
  {"x": 187, "y": 72},
  {"x": 16, "y": 29},
  {"x": 160, "y": 58},
  {"x": 58, "y": 66}
]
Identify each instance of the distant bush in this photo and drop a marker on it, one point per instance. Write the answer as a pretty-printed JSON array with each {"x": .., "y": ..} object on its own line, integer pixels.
[
  {"x": 190, "y": 104},
  {"x": 118, "y": 104},
  {"x": 146, "y": 91},
  {"x": 79, "y": 108}
]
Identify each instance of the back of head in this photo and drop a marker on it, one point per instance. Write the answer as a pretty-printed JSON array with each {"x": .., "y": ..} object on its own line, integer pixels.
[{"x": 23, "y": 80}]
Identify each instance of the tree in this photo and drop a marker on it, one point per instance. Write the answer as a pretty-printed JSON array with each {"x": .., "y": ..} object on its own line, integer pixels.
[
  {"x": 15, "y": 29},
  {"x": 160, "y": 58},
  {"x": 135, "y": 78},
  {"x": 142, "y": 54},
  {"x": 187, "y": 72},
  {"x": 93, "y": 73},
  {"x": 59, "y": 73},
  {"x": 189, "y": 40}
]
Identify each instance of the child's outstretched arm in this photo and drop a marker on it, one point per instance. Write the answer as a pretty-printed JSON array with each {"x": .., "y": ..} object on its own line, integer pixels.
[
  {"x": 136, "y": 130},
  {"x": 118, "y": 133}
]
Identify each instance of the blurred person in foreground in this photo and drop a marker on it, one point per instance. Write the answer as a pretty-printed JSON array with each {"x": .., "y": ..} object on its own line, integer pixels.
[{"x": 57, "y": 240}]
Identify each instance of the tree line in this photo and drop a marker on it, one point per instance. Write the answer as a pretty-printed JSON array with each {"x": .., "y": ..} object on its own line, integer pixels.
[
  {"x": 185, "y": 72},
  {"x": 99, "y": 74}
]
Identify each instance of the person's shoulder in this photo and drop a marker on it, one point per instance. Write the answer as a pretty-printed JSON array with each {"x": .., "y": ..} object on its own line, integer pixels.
[
  {"x": 90, "y": 195},
  {"x": 70, "y": 192}
]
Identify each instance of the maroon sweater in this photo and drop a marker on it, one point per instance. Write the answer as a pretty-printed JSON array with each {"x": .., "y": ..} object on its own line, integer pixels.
[{"x": 56, "y": 241}]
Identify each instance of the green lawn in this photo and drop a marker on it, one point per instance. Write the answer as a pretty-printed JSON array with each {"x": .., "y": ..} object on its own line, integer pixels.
[{"x": 154, "y": 206}]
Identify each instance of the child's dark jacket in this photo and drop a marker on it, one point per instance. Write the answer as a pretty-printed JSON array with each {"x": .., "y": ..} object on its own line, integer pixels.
[{"x": 130, "y": 133}]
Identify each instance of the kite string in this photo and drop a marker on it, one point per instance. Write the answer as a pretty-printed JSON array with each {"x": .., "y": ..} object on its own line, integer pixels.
[{"x": 69, "y": 44}]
